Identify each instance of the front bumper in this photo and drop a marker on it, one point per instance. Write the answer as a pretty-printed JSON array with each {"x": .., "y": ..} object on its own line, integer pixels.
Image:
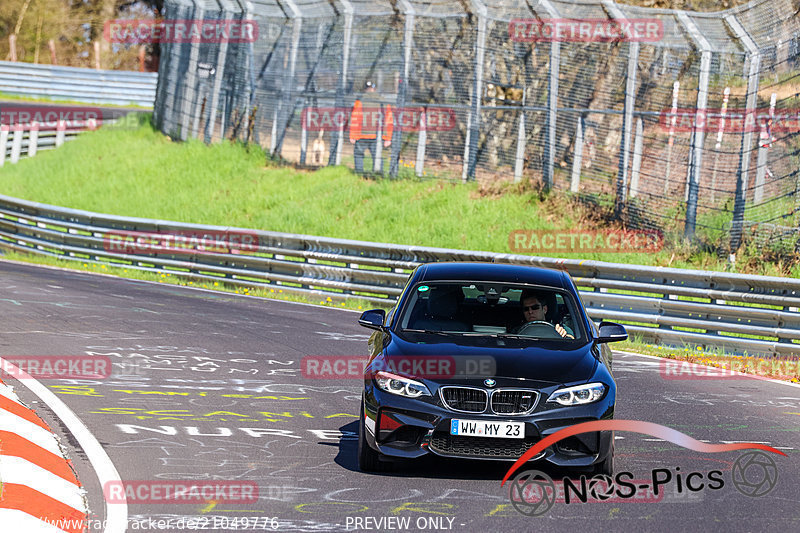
[{"x": 407, "y": 428}]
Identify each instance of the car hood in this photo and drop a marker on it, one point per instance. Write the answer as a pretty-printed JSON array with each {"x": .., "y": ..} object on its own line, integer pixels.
[{"x": 552, "y": 362}]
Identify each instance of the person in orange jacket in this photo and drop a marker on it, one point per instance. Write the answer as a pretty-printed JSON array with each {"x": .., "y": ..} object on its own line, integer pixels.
[{"x": 364, "y": 126}]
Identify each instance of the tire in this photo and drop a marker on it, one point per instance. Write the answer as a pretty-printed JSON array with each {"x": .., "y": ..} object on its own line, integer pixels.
[
  {"x": 606, "y": 467},
  {"x": 368, "y": 459}
]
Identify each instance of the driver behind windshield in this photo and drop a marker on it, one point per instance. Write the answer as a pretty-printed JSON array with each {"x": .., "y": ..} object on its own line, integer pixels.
[{"x": 534, "y": 309}]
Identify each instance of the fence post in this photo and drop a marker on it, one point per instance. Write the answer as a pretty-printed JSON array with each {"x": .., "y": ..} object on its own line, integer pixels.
[
  {"x": 577, "y": 158},
  {"x": 627, "y": 121},
  {"x": 216, "y": 87},
  {"x": 33, "y": 139},
  {"x": 304, "y": 110},
  {"x": 16, "y": 144},
  {"x": 421, "y": 140},
  {"x": 725, "y": 95},
  {"x": 286, "y": 106},
  {"x": 764, "y": 141},
  {"x": 3, "y": 143},
  {"x": 191, "y": 77},
  {"x": 754, "y": 59},
  {"x": 637, "y": 157},
  {"x": 12, "y": 47},
  {"x": 336, "y": 153},
  {"x": 377, "y": 156},
  {"x": 519, "y": 159},
  {"x": 408, "y": 43},
  {"x": 471, "y": 157},
  {"x": 166, "y": 91},
  {"x": 696, "y": 161},
  {"x": 549, "y": 161},
  {"x": 676, "y": 86}
]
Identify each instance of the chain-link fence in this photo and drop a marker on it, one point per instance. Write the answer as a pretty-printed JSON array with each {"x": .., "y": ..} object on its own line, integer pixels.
[{"x": 674, "y": 118}]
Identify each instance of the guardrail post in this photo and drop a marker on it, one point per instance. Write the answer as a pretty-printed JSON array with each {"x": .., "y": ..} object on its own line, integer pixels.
[
  {"x": 577, "y": 158},
  {"x": 637, "y": 157},
  {"x": 336, "y": 147},
  {"x": 754, "y": 58},
  {"x": 471, "y": 155},
  {"x": 33, "y": 139},
  {"x": 422, "y": 138},
  {"x": 3, "y": 143},
  {"x": 61, "y": 129},
  {"x": 696, "y": 160},
  {"x": 16, "y": 144}
]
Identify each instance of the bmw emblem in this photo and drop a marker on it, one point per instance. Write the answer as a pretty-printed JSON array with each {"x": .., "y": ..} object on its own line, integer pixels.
[{"x": 489, "y": 382}]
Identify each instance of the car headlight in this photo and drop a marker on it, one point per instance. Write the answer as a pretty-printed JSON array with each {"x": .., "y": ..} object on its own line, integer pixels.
[
  {"x": 578, "y": 395},
  {"x": 401, "y": 386}
]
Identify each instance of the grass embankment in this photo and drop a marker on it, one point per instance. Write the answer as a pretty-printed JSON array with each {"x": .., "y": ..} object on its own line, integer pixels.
[{"x": 140, "y": 172}]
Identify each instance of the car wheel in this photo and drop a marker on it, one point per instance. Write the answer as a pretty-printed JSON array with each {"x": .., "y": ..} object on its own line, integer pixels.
[
  {"x": 606, "y": 467},
  {"x": 368, "y": 459}
]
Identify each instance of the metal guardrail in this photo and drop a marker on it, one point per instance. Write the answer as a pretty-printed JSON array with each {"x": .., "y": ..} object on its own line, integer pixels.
[
  {"x": 78, "y": 84},
  {"x": 43, "y": 140},
  {"x": 735, "y": 312}
]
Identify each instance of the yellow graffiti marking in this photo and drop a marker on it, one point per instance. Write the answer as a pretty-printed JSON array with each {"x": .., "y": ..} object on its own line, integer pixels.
[
  {"x": 424, "y": 507},
  {"x": 302, "y": 507},
  {"x": 77, "y": 390}
]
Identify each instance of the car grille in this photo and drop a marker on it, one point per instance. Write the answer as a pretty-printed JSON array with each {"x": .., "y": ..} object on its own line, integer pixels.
[
  {"x": 456, "y": 445},
  {"x": 513, "y": 402},
  {"x": 464, "y": 399}
]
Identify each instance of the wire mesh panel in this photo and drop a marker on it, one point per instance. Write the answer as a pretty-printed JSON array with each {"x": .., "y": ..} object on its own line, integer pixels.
[{"x": 669, "y": 115}]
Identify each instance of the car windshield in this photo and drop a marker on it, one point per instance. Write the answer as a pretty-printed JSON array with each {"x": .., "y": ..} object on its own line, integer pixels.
[{"x": 491, "y": 309}]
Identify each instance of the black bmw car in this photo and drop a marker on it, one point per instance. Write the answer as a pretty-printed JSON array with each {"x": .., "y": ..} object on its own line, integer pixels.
[{"x": 481, "y": 361}]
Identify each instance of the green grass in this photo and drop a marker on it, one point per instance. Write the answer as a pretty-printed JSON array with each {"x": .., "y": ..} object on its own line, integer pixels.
[{"x": 137, "y": 171}]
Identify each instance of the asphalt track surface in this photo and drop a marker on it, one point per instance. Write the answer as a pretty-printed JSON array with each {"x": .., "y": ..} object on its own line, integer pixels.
[{"x": 228, "y": 367}]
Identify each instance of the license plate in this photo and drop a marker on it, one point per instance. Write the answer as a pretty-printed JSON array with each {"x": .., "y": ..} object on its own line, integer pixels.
[{"x": 486, "y": 428}]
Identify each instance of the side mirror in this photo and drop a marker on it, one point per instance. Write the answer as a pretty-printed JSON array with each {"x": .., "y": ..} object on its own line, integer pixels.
[
  {"x": 611, "y": 332},
  {"x": 373, "y": 319}
]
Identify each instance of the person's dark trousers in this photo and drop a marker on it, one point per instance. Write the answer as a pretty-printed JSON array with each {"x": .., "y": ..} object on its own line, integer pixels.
[{"x": 361, "y": 146}]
